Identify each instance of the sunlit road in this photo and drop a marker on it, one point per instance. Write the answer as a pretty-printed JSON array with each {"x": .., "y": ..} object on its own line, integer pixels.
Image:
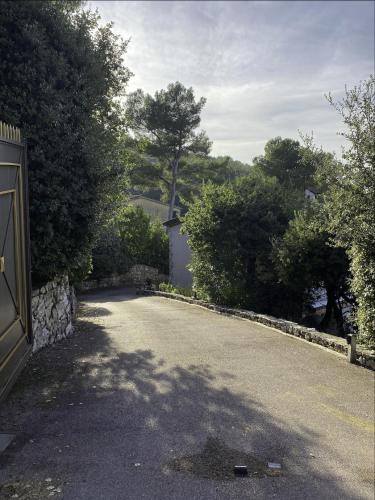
[{"x": 157, "y": 399}]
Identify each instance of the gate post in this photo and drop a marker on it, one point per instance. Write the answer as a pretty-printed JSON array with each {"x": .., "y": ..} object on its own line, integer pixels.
[{"x": 352, "y": 348}]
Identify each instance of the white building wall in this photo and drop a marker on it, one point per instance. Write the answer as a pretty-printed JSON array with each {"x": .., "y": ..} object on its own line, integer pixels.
[{"x": 179, "y": 258}]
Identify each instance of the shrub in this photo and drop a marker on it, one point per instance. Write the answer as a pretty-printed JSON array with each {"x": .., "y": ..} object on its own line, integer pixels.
[
  {"x": 61, "y": 72},
  {"x": 108, "y": 256},
  {"x": 230, "y": 230},
  {"x": 131, "y": 238},
  {"x": 167, "y": 287}
]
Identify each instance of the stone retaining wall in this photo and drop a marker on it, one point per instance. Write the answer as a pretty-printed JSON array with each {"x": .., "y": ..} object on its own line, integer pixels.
[
  {"x": 137, "y": 275},
  {"x": 53, "y": 309},
  {"x": 364, "y": 357}
]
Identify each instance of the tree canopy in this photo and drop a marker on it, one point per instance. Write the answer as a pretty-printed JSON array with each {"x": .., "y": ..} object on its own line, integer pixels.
[
  {"x": 307, "y": 261},
  {"x": 61, "y": 73},
  {"x": 230, "y": 230},
  {"x": 350, "y": 198},
  {"x": 166, "y": 126},
  {"x": 148, "y": 176},
  {"x": 286, "y": 160}
]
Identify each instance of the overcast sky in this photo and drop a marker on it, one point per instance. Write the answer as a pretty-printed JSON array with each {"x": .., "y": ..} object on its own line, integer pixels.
[{"x": 264, "y": 67}]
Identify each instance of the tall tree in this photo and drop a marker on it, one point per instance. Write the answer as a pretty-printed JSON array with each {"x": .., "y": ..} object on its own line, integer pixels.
[
  {"x": 61, "y": 73},
  {"x": 166, "y": 125},
  {"x": 350, "y": 199}
]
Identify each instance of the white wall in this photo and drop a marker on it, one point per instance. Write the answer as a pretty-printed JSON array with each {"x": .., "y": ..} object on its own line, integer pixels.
[{"x": 179, "y": 258}]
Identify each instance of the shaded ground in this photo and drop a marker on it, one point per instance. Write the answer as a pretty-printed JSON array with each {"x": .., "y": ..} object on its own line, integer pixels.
[{"x": 157, "y": 399}]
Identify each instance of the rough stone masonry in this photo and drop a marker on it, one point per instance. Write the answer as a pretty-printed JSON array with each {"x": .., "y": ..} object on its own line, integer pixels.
[{"x": 53, "y": 309}]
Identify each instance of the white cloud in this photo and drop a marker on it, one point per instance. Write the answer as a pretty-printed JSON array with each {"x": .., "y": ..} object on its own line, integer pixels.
[{"x": 264, "y": 67}]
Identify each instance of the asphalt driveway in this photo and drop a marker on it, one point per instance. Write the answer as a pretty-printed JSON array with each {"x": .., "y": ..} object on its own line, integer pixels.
[{"x": 157, "y": 399}]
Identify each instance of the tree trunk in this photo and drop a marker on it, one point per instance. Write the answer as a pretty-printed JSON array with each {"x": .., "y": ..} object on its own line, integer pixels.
[
  {"x": 173, "y": 189},
  {"x": 335, "y": 309},
  {"x": 329, "y": 308}
]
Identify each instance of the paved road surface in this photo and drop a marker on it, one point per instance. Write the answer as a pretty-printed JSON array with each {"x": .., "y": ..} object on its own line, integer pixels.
[{"x": 157, "y": 399}]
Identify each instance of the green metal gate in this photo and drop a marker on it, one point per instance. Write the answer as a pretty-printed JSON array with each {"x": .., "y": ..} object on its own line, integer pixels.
[{"x": 15, "y": 314}]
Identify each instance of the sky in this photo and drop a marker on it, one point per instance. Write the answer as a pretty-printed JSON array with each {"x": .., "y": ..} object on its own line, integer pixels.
[{"x": 264, "y": 67}]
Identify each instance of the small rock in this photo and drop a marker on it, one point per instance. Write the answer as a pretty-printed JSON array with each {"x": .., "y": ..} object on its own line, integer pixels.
[{"x": 48, "y": 480}]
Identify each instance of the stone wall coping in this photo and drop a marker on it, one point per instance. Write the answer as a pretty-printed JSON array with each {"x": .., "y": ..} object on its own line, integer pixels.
[{"x": 364, "y": 357}]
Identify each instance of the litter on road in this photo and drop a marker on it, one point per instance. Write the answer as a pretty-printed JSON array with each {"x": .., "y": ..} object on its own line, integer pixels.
[
  {"x": 274, "y": 465},
  {"x": 240, "y": 470}
]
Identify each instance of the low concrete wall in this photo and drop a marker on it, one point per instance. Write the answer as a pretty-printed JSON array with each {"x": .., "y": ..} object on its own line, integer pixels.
[
  {"x": 364, "y": 357},
  {"x": 137, "y": 275},
  {"x": 53, "y": 309}
]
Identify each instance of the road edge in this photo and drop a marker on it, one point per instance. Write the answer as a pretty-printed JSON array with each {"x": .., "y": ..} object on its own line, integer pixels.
[{"x": 364, "y": 357}]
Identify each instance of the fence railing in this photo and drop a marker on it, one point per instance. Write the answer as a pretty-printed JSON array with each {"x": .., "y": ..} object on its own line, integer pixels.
[{"x": 9, "y": 133}]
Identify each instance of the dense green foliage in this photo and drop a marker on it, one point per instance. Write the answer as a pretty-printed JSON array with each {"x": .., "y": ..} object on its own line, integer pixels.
[
  {"x": 230, "y": 232},
  {"x": 131, "y": 238},
  {"x": 108, "y": 256},
  {"x": 194, "y": 171},
  {"x": 284, "y": 159},
  {"x": 350, "y": 200},
  {"x": 165, "y": 125},
  {"x": 167, "y": 287},
  {"x": 60, "y": 75},
  {"x": 259, "y": 243},
  {"x": 306, "y": 261}
]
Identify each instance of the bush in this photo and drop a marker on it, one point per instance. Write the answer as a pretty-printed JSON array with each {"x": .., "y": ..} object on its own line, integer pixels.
[
  {"x": 108, "y": 256},
  {"x": 60, "y": 75},
  {"x": 167, "y": 287},
  {"x": 230, "y": 232},
  {"x": 131, "y": 238},
  {"x": 143, "y": 241},
  {"x": 306, "y": 261}
]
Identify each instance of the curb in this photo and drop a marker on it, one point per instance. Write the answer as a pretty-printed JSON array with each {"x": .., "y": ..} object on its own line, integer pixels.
[{"x": 363, "y": 357}]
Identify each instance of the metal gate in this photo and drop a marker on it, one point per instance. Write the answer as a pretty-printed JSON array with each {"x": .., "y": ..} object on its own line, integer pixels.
[{"x": 15, "y": 318}]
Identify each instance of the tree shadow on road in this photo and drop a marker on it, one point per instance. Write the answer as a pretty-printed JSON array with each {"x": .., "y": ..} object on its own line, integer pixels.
[{"x": 189, "y": 422}]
